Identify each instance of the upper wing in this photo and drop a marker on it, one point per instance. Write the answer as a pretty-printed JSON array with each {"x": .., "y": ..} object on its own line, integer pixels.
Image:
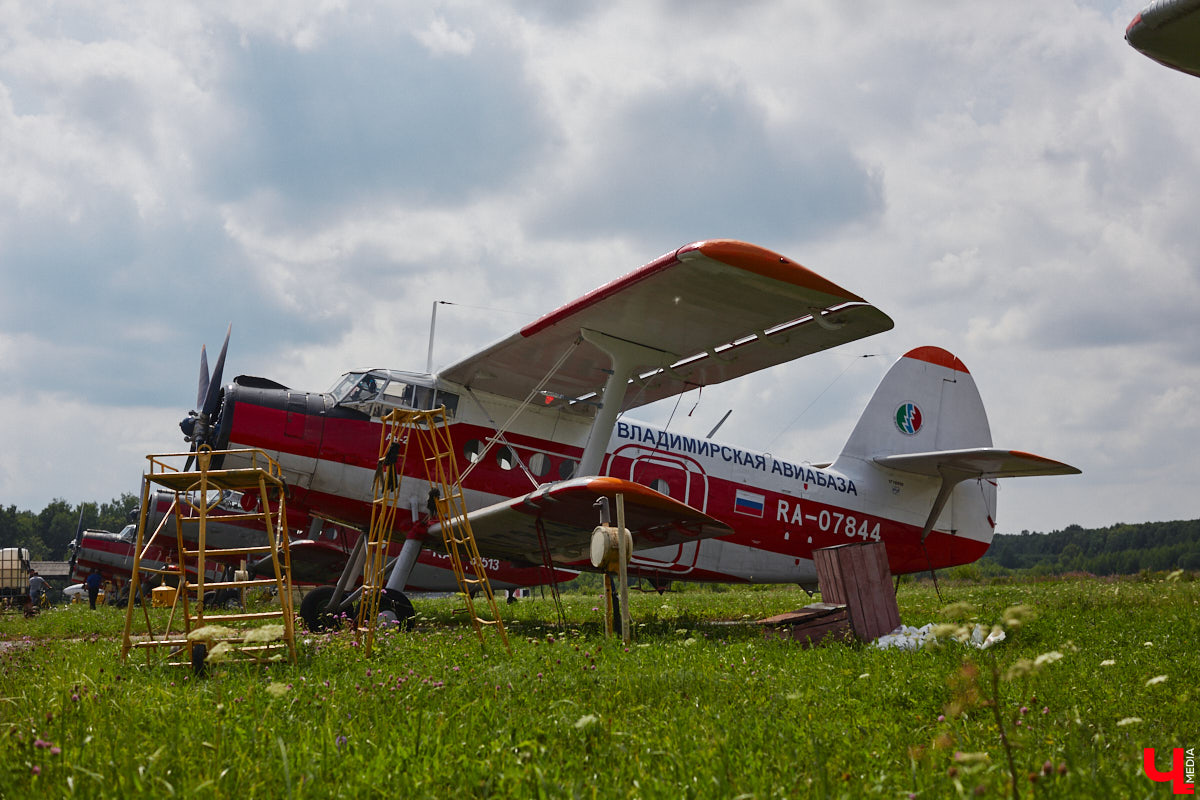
[
  {"x": 715, "y": 310},
  {"x": 977, "y": 462},
  {"x": 568, "y": 514},
  {"x": 1168, "y": 31}
]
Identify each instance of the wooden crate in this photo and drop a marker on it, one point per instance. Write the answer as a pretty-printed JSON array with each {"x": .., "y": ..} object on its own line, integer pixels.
[
  {"x": 810, "y": 625},
  {"x": 857, "y": 576}
]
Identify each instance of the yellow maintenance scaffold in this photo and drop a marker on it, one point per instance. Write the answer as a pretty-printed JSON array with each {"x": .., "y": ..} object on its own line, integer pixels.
[
  {"x": 206, "y": 633},
  {"x": 424, "y": 435}
]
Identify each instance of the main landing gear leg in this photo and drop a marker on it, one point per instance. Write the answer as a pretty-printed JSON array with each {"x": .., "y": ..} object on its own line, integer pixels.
[{"x": 394, "y": 604}]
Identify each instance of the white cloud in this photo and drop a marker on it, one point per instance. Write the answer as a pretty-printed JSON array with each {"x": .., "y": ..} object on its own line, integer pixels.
[{"x": 441, "y": 39}]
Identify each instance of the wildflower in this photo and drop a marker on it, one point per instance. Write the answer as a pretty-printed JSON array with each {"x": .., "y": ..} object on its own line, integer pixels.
[
  {"x": 1175, "y": 576},
  {"x": 210, "y": 632},
  {"x": 42, "y": 744},
  {"x": 36, "y": 770},
  {"x": 585, "y": 721},
  {"x": 949, "y": 630},
  {"x": 55, "y": 750},
  {"x": 220, "y": 652},
  {"x": 1047, "y": 658},
  {"x": 972, "y": 758},
  {"x": 1016, "y": 616},
  {"x": 1020, "y": 668},
  {"x": 1128, "y": 721},
  {"x": 1108, "y": 662},
  {"x": 958, "y": 611},
  {"x": 266, "y": 633},
  {"x": 276, "y": 689},
  {"x": 340, "y": 741},
  {"x": 1156, "y": 680}
]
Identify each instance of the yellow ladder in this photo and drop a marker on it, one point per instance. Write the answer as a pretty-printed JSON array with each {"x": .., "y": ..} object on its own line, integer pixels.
[
  {"x": 389, "y": 472},
  {"x": 206, "y": 632},
  {"x": 429, "y": 431}
]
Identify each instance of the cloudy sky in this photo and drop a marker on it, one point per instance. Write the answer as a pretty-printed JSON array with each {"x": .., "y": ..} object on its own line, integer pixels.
[{"x": 1010, "y": 181}]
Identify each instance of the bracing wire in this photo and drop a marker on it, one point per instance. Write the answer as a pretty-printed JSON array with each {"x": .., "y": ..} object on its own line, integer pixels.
[{"x": 813, "y": 402}]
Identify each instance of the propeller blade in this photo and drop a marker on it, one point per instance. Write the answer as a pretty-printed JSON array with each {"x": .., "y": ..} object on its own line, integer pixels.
[
  {"x": 214, "y": 384},
  {"x": 202, "y": 392}
]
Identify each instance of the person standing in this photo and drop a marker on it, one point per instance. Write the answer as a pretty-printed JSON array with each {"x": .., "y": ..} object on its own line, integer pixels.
[
  {"x": 93, "y": 587},
  {"x": 37, "y": 590}
]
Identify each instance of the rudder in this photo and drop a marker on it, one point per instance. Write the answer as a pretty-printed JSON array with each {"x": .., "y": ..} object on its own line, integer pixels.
[{"x": 927, "y": 401}]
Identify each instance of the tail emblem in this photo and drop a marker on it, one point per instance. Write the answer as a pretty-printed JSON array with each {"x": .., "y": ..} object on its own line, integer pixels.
[{"x": 908, "y": 418}]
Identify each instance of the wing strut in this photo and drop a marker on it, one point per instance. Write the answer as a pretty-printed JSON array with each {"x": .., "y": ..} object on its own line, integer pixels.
[
  {"x": 950, "y": 478},
  {"x": 627, "y": 357}
]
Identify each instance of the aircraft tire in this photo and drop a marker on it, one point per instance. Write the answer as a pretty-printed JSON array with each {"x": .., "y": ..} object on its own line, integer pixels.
[
  {"x": 199, "y": 654},
  {"x": 312, "y": 609},
  {"x": 399, "y": 604}
]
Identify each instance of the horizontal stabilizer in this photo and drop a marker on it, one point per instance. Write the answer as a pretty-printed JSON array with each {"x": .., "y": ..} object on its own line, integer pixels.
[
  {"x": 976, "y": 462},
  {"x": 568, "y": 513}
]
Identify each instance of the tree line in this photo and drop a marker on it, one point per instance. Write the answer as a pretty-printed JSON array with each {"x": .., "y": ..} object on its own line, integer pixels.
[
  {"x": 46, "y": 534},
  {"x": 1120, "y": 549}
]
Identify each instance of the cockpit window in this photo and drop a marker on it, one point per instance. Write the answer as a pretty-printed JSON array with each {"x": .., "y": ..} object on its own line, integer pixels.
[
  {"x": 378, "y": 391},
  {"x": 348, "y": 382}
]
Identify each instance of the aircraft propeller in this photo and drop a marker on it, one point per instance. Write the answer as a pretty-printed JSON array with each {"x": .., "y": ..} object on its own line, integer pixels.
[{"x": 200, "y": 423}]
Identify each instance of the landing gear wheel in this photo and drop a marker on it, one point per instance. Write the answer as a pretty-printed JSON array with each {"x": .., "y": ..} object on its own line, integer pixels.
[
  {"x": 313, "y": 609},
  {"x": 398, "y": 604},
  {"x": 199, "y": 654}
]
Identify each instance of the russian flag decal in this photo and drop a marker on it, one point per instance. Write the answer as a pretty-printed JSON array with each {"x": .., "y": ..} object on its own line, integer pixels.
[{"x": 749, "y": 503}]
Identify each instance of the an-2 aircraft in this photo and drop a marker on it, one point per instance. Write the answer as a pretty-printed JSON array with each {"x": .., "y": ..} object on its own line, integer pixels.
[{"x": 917, "y": 472}]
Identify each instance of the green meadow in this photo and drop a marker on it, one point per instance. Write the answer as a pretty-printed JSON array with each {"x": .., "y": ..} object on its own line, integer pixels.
[{"x": 700, "y": 704}]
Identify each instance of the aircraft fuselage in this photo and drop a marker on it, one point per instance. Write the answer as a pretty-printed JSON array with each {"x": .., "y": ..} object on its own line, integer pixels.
[{"x": 780, "y": 510}]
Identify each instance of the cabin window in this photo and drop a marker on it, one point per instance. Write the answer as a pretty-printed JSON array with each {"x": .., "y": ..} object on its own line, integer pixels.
[
  {"x": 566, "y": 469},
  {"x": 539, "y": 465},
  {"x": 505, "y": 458},
  {"x": 660, "y": 486},
  {"x": 472, "y": 450}
]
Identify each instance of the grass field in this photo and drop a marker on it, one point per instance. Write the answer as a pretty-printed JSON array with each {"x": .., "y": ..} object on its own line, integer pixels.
[{"x": 700, "y": 705}]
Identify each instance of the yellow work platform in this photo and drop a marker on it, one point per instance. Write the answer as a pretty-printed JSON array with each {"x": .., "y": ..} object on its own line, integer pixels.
[{"x": 204, "y": 632}]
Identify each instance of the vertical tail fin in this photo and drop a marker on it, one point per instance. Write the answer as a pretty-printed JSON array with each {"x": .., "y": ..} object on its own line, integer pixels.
[
  {"x": 927, "y": 401},
  {"x": 926, "y": 420}
]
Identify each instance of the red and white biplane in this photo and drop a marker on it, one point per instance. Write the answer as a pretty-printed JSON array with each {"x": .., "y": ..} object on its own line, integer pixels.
[{"x": 917, "y": 472}]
